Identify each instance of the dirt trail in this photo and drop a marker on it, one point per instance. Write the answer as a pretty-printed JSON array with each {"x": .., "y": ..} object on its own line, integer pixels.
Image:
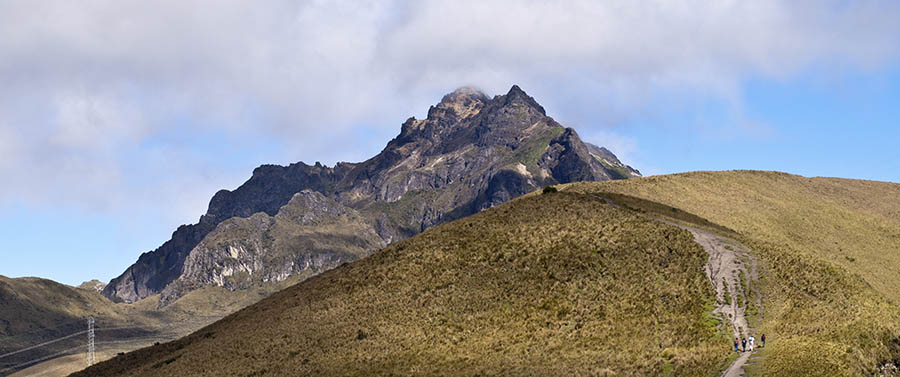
[
  {"x": 728, "y": 262},
  {"x": 734, "y": 273}
]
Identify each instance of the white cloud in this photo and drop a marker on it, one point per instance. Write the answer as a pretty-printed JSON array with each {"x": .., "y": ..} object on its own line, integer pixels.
[
  {"x": 86, "y": 84},
  {"x": 9, "y": 151},
  {"x": 625, "y": 147},
  {"x": 91, "y": 122}
]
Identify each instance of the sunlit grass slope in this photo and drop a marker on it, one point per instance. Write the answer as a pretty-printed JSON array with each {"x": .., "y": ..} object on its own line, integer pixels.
[
  {"x": 554, "y": 284},
  {"x": 831, "y": 255},
  {"x": 853, "y": 223}
]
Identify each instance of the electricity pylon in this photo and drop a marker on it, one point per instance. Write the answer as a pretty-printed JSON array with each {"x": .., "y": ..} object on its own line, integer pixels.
[{"x": 90, "y": 352}]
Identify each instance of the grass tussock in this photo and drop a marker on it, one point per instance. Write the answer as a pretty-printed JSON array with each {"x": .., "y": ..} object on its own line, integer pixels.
[
  {"x": 822, "y": 320},
  {"x": 561, "y": 284}
]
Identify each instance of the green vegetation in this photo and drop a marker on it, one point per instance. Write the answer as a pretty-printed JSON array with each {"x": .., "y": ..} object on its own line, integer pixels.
[
  {"x": 743, "y": 280},
  {"x": 530, "y": 152},
  {"x": 406, "y": 213},
  {"x": 561, "y": 284},
  {"x": 830, "y": 287},
  {"x": 532, "y": 148},
  {"x": 727, "y": 292}
]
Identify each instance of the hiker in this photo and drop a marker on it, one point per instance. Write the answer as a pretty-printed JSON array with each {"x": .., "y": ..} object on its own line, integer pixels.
[
  {"x": 763, "y": 340},
  {"x": 736, "y": 345},
  {"x": 744, "y": 344},
  {"x": 752, "y": 340}
]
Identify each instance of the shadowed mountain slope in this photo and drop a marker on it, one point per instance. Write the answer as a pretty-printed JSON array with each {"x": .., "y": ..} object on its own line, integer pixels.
[{"x": 472, "y": 152}]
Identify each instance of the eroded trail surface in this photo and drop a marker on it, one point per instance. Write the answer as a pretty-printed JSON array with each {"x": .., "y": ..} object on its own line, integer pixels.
[{"x": 734, "y": 273}]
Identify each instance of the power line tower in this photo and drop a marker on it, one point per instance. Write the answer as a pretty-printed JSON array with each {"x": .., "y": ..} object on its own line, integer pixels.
[{"x": 90, "y": 352}]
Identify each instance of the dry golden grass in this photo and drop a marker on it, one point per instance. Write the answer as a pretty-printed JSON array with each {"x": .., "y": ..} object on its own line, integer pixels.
[
  {"x": 555, "y": 284},
  {"x": 832, "y": 256},
  {"x": 563, "y": 284},
  {"x": 853, "y": 223}
]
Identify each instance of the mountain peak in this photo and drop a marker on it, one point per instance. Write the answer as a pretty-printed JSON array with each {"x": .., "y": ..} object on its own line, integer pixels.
[
  {"x": 472, "y": 152},
  {"x": 517, "y": 95},
  {"x": 461, "y": 102}
]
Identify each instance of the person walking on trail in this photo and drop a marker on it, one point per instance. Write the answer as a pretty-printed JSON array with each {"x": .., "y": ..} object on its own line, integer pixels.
[
  {"x": 744, "y": 344},
  {"x": 736, "y": 345},
  {"x": 752, "y": 341},
  {"x": 763, "y": 339}
]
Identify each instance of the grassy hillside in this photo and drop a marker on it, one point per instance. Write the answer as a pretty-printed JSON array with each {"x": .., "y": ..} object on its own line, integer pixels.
[
  {"x": 554, "y": 284},
  {"x": 854, "y": 224},
  {"x": 34, "y": 310},
  {"x": 832, "y": 253},
  {"x": 565, "y": 284},
  {"x": 30, "y": 305}
]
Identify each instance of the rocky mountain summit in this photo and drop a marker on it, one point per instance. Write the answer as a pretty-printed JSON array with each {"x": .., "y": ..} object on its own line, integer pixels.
[{"x": 470, "y": 153}]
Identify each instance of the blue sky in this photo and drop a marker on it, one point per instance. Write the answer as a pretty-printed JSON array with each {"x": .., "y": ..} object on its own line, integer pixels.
[
  {"x": 835, "y": 126},
  {"x": 119, "y": 120}
]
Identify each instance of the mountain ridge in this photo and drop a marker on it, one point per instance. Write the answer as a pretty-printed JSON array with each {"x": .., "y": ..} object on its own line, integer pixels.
[
  {"x": 543, "y": 285},
  {"x": 471, "y": 152}
]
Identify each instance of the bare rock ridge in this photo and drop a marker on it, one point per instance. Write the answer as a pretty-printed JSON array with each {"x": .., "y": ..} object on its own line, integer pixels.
[{"x": 470, "y": 153}]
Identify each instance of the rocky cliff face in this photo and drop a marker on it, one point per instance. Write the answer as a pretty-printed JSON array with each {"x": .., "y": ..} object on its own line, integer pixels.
[
  {"x": 268, "y": 189},
  {"x": 470, "y": 153},
  {"x": 310, "y": 234}
]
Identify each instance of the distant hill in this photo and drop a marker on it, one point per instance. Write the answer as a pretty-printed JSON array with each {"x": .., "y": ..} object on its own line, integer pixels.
[
  {"x": 34, "y": 311},
  {"x": 585, "y": 281},
  {"x": 32, "y": 304},
  {"x": 471, "y": 152}
]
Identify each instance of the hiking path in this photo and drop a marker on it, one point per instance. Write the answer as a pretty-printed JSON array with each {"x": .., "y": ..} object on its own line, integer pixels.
[{"x": 734, "y": 274}]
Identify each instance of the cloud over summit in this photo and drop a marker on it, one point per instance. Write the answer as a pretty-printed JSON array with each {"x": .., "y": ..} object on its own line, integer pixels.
[{"x": 114, "y": 95}]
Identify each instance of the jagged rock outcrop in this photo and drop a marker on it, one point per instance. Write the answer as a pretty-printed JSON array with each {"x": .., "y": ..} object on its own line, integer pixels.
[
  {"x": 309, "y": 235},
  {"x": 470, "y": 153},
  {"x": 269, "y": 188}
]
